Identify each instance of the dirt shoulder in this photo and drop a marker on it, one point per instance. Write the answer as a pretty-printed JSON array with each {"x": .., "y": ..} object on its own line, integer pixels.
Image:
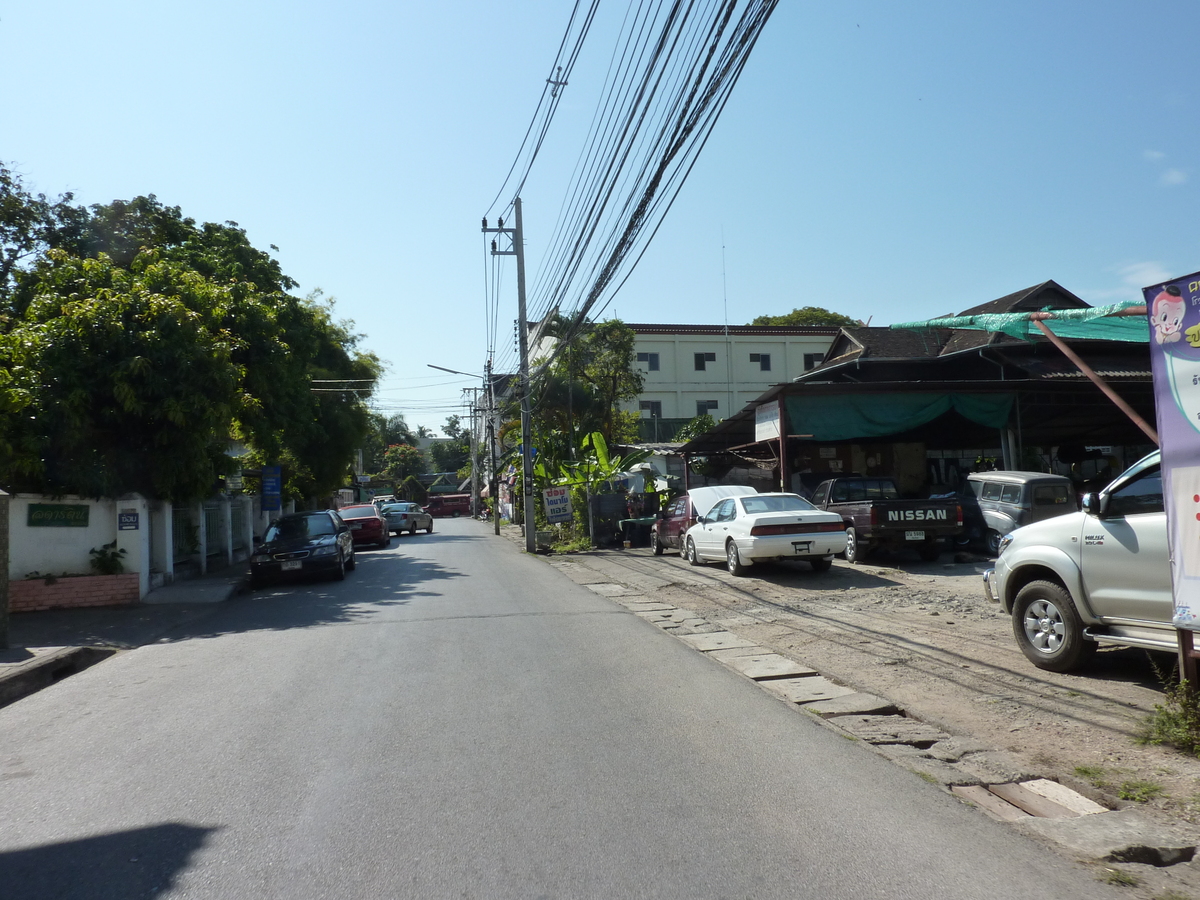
[{"x": 924, "y": 636}]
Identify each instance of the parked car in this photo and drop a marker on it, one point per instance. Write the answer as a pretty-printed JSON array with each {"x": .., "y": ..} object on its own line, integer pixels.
[
  {"x": 366, "y": 525},
  {"x": 681, "y": 514},
  {"x": 758, "y": 528},
  {"x": 454, "y": 505},
  {"x": 1097, "y": 575},
  {"x": 303, "y": 544},
  {"x": 995, "y": 503},
  {"x": 405, "y": 516},
  {"x": 875, "y": 516}
]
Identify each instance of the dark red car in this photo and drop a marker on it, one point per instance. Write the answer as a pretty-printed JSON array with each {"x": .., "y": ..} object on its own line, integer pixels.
[
  {"x": 367, "y": 526},
  {"x": 681, "y": 514}
]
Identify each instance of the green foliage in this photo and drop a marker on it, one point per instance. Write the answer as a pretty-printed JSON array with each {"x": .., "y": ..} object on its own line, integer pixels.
[
  {"x": 383, "y": 431},
  {"x": 696, "y": 427},
  {"x": 135, "y": 344},
  {"x": 401, "y": 461},
  {"x": 106, "y": 559},
  {"x": 1120, "y": 878},
  {"x": 1095, "y": 775},
  {"x": 1140, "y": 791},
  {"x": 1176, "y": 721},
  {"x": 453, "y": 453},
  {"x": 808, "y": 315}
]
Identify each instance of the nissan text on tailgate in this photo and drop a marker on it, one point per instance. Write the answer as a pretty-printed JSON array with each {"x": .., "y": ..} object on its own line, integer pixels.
[{"x": 876, "y": 516}]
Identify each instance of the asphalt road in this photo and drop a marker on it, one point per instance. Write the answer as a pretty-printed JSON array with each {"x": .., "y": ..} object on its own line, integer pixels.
[{"x": 457, "y": 719}]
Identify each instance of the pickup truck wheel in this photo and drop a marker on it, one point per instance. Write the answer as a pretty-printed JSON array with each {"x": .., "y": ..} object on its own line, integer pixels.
[
  {"x": 733, "y": 561},
  {"x": 992, "y": 539},
  {"x": 655, "y": 545},
  {"x": 690, "y": 552},
  {"x": 854, "y": 553},
  {"x": 1047, "y": 628}
]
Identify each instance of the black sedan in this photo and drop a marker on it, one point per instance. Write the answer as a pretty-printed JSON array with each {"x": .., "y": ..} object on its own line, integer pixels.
[{"x": 303, "y": 544}]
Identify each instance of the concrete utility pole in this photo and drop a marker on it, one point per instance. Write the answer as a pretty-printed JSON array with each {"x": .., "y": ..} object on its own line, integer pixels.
[
  {"x": 518, "y": 250},
  {"x": 494, "y": 487}
]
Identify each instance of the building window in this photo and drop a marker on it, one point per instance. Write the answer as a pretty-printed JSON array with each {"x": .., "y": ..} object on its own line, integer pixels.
[
  {"x": 763, "y": 360},
  {"x": 702, "y": 358},
  {"x": 812, "y": 360},
  {"x": 704, "y": 407},
  {"x": 650, "y": 359},
  {"x": 654, "y": 407}
]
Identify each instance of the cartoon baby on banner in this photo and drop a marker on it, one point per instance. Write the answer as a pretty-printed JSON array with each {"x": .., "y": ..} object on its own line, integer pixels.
[{"x": 1175, "y": 320}]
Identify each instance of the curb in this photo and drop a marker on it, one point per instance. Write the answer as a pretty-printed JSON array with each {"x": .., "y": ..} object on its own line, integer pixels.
[{"x": 45, "y": 667}]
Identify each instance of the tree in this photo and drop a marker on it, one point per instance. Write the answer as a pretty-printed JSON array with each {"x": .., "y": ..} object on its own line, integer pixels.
[
  {"x": 809, "y": 315},
  {"x": 402, "y": 461},
  {"x": 383, "y": 432},
  {"x": 134, "y": 345},
  {"x": 130, "y": 378},
  {"x": 453, "y": 453}
]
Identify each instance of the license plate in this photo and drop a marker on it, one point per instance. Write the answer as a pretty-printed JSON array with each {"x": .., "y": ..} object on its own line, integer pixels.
[
  {"x": 290, "y": 565},
  {"x": 914, "y": 535},
  {"x": 802, "y": 546}
]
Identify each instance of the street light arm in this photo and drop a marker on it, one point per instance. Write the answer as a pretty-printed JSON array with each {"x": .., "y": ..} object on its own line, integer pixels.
[{"x": 455, "y": 371}]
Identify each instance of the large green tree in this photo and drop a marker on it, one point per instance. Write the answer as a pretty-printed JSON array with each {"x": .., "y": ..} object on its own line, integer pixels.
[
  {"x": 454, "y": 453},
  {"x": 809, "y": 315},
  {"x": 135, "y": 344}
]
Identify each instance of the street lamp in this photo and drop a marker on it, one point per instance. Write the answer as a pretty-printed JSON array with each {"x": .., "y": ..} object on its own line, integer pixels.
[{"x": 492, "y": 486}]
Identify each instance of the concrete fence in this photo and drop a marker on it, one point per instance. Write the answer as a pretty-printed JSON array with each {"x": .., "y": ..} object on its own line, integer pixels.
[{"x": 51, "y": 540}]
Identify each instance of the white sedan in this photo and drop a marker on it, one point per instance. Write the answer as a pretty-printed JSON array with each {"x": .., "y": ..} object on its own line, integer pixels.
[{"x": 765, "y": 528}]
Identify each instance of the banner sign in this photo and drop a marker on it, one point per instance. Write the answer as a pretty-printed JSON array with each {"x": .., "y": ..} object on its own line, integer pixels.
[
  {"x": 1173, "y": 309},
  {"x": 766, "y": 422},
  {"x": 272, "y": 487},
  {"x": 558, "y": 504},
  {"x": 57, "y": 515}
]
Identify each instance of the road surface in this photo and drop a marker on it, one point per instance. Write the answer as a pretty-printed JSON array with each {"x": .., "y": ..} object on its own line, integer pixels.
[{"x": 457, "y": 719}]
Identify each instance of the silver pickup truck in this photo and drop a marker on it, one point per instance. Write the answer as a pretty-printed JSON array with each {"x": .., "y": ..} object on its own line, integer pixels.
[{"x": 1098, "y": 575}]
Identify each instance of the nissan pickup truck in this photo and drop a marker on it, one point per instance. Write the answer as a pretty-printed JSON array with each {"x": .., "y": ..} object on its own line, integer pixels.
[
  {"x": 1098, "y": 575},
  {"x": 877, "y": 517}
]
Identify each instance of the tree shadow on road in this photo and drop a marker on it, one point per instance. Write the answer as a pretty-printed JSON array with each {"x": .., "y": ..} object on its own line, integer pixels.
[{"x": 140, "y": 862}]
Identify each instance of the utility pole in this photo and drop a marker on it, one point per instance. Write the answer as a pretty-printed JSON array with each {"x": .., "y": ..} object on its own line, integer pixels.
[
  {"x": 518, "y": 250},
  {"x": 494, "y": 487}
]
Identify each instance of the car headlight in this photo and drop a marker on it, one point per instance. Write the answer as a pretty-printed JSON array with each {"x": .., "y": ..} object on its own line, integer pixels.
[
  {"x": 1004, "y": 542},
  {"x": 261, "y": 558},
  {"x": 325, "y": 550}
]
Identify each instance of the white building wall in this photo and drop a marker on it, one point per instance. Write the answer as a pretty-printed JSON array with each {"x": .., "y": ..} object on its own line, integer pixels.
[{"x": 730, "y": 377}]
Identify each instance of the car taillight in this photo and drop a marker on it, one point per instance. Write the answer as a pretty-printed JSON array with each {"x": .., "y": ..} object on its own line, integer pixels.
[
  {"x": 960, "y": 518},
  {"x": 795, "y": 528},
  {"x": 874, "y": 518}
]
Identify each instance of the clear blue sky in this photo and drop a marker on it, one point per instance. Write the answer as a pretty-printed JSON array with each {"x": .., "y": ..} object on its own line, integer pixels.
[{"x": 891, "y": 161}]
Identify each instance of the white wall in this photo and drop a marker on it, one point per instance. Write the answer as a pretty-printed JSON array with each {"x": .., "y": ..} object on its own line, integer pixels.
[
  {"x": 731, "y": 379},
  {"x": 57, "y": 550}
]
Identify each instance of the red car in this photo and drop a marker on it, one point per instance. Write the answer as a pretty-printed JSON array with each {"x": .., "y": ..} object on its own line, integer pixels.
[
  {"x": 681, "y": 514},
  {"x": 366, "y": 525}
]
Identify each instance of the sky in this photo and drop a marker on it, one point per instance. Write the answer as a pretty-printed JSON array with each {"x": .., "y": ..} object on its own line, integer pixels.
[{"x": 890, "y": 161}]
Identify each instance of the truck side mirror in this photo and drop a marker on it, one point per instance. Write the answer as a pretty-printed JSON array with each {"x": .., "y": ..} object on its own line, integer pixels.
[{"x": 1091, "y": 503}]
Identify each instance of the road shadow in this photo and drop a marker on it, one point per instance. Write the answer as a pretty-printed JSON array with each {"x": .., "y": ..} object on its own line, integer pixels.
[
  {"x": 379, "y": 580},
  {"x": 140, "y": 862}
]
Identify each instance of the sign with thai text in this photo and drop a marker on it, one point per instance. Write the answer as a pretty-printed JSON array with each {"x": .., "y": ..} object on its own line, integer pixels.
[
  {"x": 57, "y": 515},
  {"x": 766, "y": 422},
  {"x": 272, "y": 488},
  {"x": 558, "y": 504},
  {"x": 127, "y": 520}
]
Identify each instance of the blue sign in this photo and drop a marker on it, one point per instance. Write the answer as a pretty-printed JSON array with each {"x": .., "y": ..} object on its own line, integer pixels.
[
  {"x": 127, "y": 521},
  {"x": 272, "y": 487}
]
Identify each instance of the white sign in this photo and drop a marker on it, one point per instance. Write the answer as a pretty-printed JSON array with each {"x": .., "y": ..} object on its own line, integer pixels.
[
  {"x": 766, "y": 422},
  {"x": 558, "y": 504}
]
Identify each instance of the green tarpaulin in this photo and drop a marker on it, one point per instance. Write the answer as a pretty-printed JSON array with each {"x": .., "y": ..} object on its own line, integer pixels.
[
  {"x": 1096, "y": 323},
  {"x": 846, "y": 417}
]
